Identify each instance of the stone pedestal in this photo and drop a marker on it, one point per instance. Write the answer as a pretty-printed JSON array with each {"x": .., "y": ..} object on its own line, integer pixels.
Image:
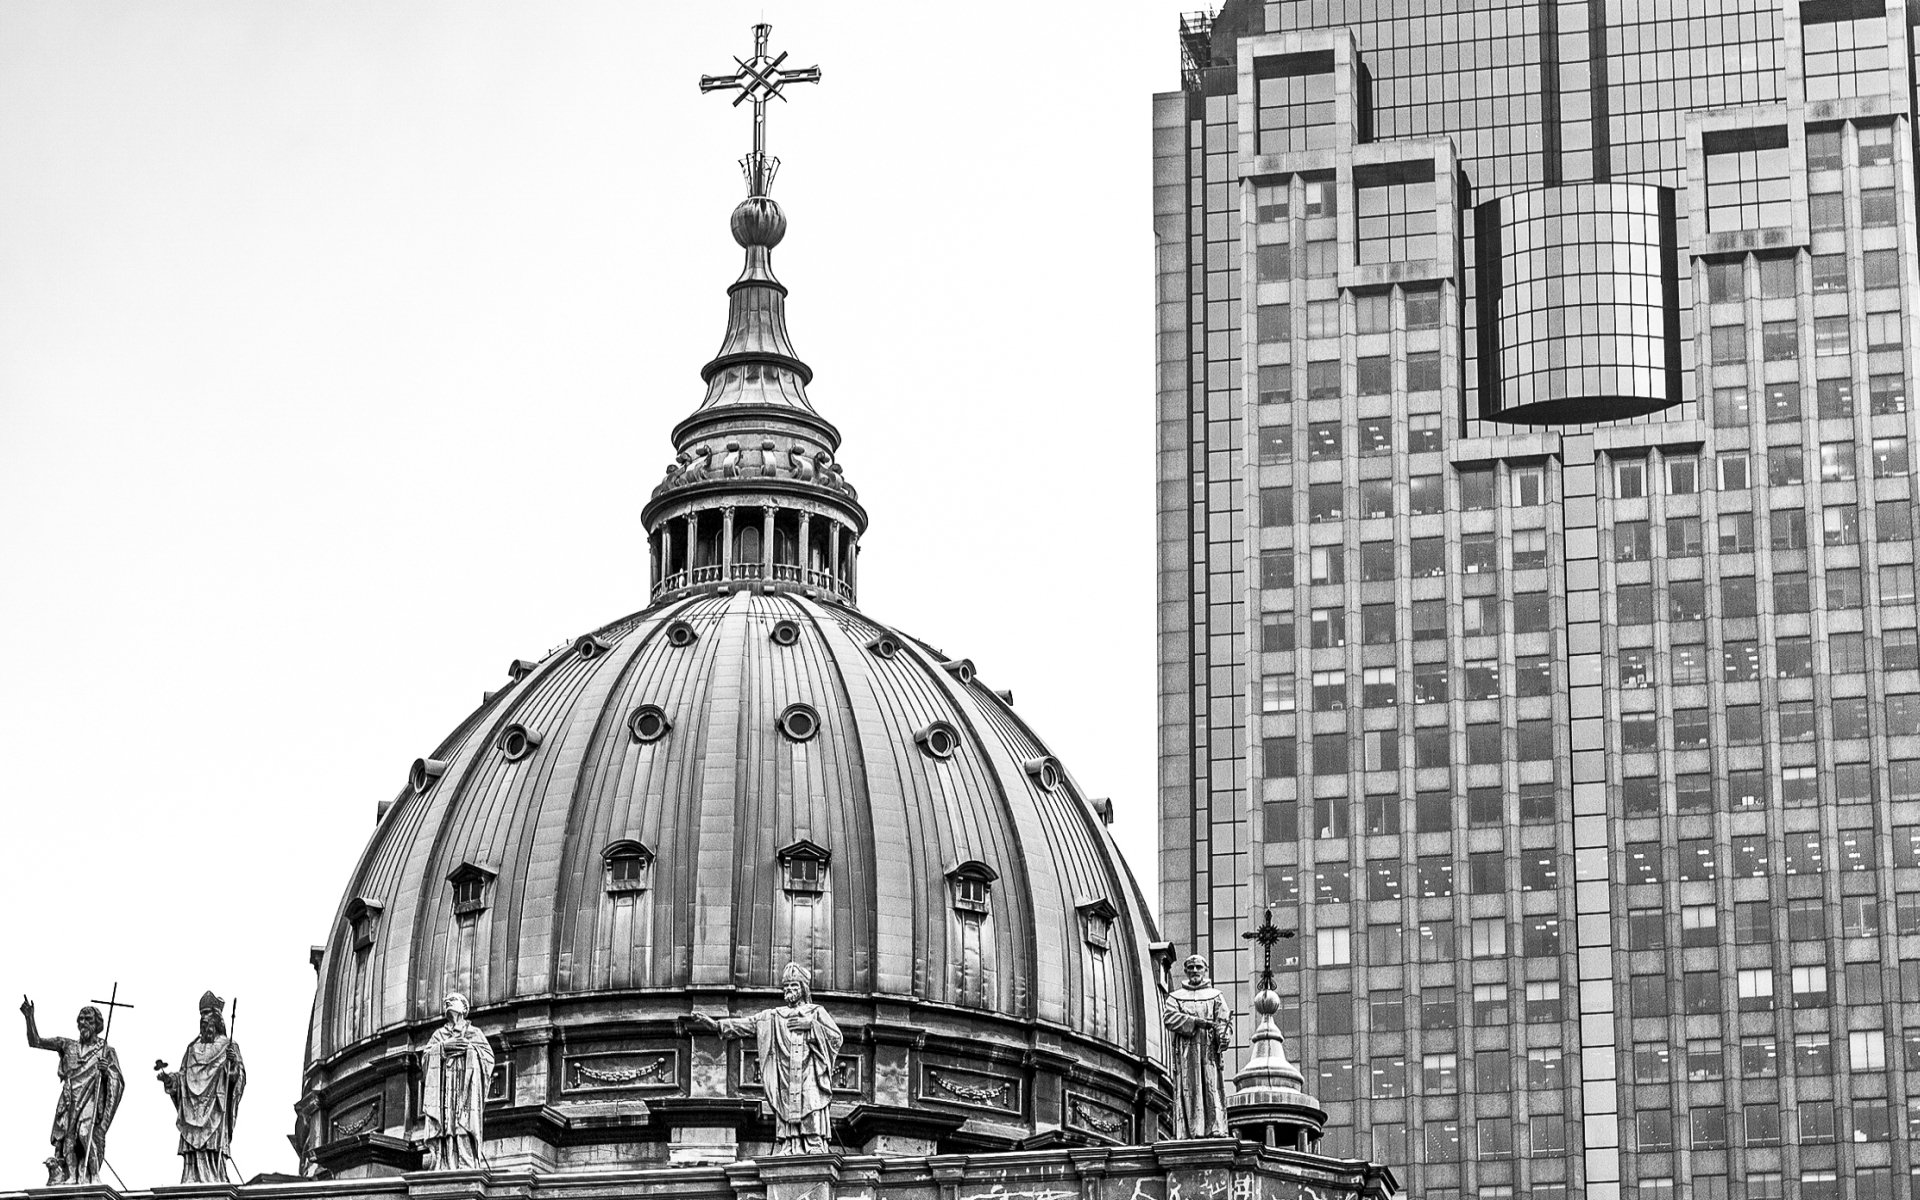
[
  {"x": 703, "y": 1131},
  {"x": 800, "y": 1176},
  {"x": 896, "y": 1131},
  {"x": 367, "y": 1156},
  {"x": 74, "y": 1191}
]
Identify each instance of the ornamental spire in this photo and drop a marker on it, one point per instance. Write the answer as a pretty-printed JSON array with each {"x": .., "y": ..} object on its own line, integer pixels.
[{"x": 755, "y": 496}]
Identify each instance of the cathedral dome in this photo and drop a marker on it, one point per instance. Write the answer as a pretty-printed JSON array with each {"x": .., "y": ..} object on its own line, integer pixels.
[
  {"x": 672, "y": 808},
  {"x": 652, "y": 821}
]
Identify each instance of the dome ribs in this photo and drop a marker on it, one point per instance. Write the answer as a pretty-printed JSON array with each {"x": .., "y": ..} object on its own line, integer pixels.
[
  {"x": 956, "y": 800},
  {"x": 539, "y": 847},
  {"x": 719, "y": 788},
  {"x": 1095, "y": 876},
  {"x": 888, "y": 858}
]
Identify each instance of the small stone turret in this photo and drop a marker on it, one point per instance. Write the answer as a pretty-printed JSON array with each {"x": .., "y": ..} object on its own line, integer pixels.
[{"x": 1270, "y": 1103}]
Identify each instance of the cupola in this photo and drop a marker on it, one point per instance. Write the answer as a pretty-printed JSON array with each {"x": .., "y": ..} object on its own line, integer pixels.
[{"x": 755, "y": 496}]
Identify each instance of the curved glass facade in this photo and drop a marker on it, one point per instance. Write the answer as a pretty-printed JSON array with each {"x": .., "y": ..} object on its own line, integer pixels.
[{"x": 1579, "y": 312}]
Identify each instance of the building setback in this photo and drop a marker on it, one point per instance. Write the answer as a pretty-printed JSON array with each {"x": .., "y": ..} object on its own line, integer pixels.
[{"x": 1537, "y": 593}]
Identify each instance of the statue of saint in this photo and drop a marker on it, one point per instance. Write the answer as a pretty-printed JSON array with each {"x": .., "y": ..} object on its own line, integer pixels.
[
  {"x": 797, "y": 1044},
  {"x": 457, "y": 1063},
  {"x": 206, "y": 1095},
  {"x": 1198, "y": 1019},
  {"x": 90, "y": 1090}
]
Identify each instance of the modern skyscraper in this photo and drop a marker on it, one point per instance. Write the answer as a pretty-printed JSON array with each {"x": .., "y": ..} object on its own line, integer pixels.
[{"x": 1537, "y": 585}]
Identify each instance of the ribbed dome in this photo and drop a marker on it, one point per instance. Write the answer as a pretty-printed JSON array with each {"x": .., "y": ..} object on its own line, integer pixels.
[{"x": 623, "y": 823}]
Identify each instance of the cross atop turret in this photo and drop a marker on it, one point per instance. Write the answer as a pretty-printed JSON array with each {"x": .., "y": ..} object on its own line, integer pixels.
[
  {"x": 1266, "y": 934},
  {"x": 759, "y": 79}
]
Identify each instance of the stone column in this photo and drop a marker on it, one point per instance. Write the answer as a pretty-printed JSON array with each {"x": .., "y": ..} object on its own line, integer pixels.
[
  {"x": 805, "y": 549},
  {"x": 766, "y": 544},
  {"x": 833, "y": 554},
  {"x": 693, "y": 541},
  {"x": 666, "y": 550},
  {"x": 726, "y": 542}
]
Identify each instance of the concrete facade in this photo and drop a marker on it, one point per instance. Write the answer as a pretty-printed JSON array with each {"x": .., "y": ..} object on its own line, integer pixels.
[{"x": 1586, "y": 750}]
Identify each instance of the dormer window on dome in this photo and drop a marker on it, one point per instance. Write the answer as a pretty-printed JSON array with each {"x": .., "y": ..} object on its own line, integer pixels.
[
  {"x": 470, "y": 885},
  {"x": 785, "y": 632},
  {"x": 681, "y": 633},
  {"x": 520, "y": 668},
  {"x": 517, "y": 741},
  {"x": 648, "y": 723},
  {"x": 972, "y": 884},
  {"x": 885, "y": 645},
  {"x": 805, "y": 866},
  {"x": 627, "y": 864},
  {"x": 589, "y": 646},
  {"x": 1096, "y": 921},
  {"x": 961, "y": 669},
  {"x": 362, "y": 915}
]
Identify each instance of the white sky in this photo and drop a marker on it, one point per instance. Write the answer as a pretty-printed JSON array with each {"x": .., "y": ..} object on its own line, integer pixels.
[{"x": 339, "y": 346}]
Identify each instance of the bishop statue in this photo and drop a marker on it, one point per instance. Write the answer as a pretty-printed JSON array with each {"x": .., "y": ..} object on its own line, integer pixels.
[{"x": 206, "y": 1093}]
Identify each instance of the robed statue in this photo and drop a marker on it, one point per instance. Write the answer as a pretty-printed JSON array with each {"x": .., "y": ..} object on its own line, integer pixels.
[
  {"x": 206, "y": 1093},
  {"x": 457, "y": 1064},
  {"x": 90, "y": 1089},
  {"x": 797, "y": 1044},
  {"x": 1197, "y": 1017}
]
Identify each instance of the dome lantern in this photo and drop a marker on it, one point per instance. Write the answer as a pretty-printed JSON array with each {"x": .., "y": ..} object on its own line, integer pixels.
[{"x": 755, "y": 496}]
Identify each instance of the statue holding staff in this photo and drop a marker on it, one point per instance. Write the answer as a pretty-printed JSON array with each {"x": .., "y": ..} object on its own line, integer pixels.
[
  {"x": 1197, "y": 1017},
  {"x": 457, "y": 1064},
  {"x": 206, "y": 1094},
  {"x": 90, "y": 1089}
]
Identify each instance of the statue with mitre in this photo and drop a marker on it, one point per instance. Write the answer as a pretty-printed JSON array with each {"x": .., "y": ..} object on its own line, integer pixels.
[
  {"x": 206, "y": 1093},
  {"x": 797, "y": 1042}
]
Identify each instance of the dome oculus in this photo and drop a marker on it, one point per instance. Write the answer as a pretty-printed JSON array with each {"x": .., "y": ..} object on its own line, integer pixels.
[
  {"x": 1045, "y": 771},
  {"x": 885, "y": 645},
  {"x": 799, "y": 722},
  {"x": 961, "y": 669},
  {"x": 939, "y": 740},
  {"x": 589, "y": 646},
  {"x": 648, "y": 723},
  {"x": 680, "y": 633},
  {"x": 785, "y": 633},
  {"x": 423, "y": 774},
  {"x": 517, "y": 741}
]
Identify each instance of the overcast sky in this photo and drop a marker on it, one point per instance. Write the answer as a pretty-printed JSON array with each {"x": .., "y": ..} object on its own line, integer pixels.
[{"x": 339, "y": 347}]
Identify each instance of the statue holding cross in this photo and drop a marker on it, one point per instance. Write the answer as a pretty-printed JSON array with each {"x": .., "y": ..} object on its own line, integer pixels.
[{"x": 90, "y": 1089}]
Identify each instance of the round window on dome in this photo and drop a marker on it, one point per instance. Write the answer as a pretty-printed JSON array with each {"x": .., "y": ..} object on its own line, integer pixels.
[
  {"x": 682, "y": 634},
  {"x": 1045, "y": 771},
  {"x": 785, "y": 633},
  {"x": 425, "y": 771},
  {"x": 648, "y": 723},
  {"x": 938, "y": 740},
  {"x": 961, "y": 669},
  {"x": 517, "y": 741},
  {"x": 799, "y": 722},
  {"x": 590, "y": 647},
  {"x": 885, "y": 645}
]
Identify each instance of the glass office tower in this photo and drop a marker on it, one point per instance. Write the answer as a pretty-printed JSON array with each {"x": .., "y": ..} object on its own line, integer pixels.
[{"x": 1537, "y": 587}]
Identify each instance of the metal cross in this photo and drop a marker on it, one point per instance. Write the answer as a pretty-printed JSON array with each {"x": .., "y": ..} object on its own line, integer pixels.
[
  {"x": 759, "y": 79},
  {"x": 1267, "y": 933},
  {"x": 112, "y": 1002}
]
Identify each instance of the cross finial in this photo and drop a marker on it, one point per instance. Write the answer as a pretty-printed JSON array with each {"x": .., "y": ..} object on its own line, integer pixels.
[
  {"x": 759, "y": 79},
  {"x": 1266, "y": 934}
]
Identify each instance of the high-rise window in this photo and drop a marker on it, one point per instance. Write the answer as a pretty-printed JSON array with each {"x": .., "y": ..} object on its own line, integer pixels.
[
  {"x": 1747, "y": 180},
  {"x": 1294, "y": 93},
  {"x": 1394, "y": 221}
]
